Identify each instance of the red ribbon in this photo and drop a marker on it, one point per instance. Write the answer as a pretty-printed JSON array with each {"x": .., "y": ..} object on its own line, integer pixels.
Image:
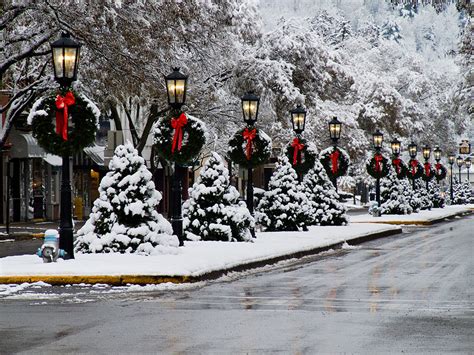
[
  {"x": 334, "y": 156},
  {"x": 62, "y": 104},
  {"x": 378, "y": 158},
  {"x": 397, "y": 162},
  {"x": 297, "y": 146},
  {"x": 427, "y": 169},
  {"x": 438, "y": 167},
  {"x": 414, "y": 166},
  {"x": 178, "y": 124},
  {"x": 249, "y": 136}
]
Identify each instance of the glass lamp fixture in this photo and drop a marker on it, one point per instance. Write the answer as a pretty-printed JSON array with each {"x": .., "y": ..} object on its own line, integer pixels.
[
  {"x": 377, "y": 139},
  {"x": 65, "y": 53},
  {"x": 335, "y": 129},
  {"x": 176, "y": 85},
  {"x": 437, "y": 153},
  {"x": 396, "y": 147},
  {"x": 250, "y": 103},
  {"x": 298, "y": 119},
  {"x": 412, "y": 150},
  {"x": 426, "y": 152}
]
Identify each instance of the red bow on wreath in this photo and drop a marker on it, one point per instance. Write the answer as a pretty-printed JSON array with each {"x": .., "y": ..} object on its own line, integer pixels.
[
  {"x": 178, "y": 124},
  {"x": 249, "y": 136},
  {"x": 378, "y": 158},
  {"x": 437, "y": 166},
  {"x": 427, "y": 169},
  {"x": 334, "y": 156},
  {"x": 397, "y": 162},
  {"x": 62, "y": 104},
  {"x": 297, "y": 146},
  {"x": 414, "y": 167}
]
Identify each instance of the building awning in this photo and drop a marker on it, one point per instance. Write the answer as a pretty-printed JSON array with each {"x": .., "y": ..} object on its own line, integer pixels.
[
  {"x": 96, "y": 153},
  {"x": 24, "y": 146},
  {"x": 53, "y": 160}
]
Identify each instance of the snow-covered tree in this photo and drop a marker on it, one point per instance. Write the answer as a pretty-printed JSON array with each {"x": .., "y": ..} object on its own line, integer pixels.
[
  {"x": 124, "y": 217},
  {"x": 423, "y": 195},
  {"x": 435, "y": 195},
  {"x": 461, "y": 192},
  {"x": 392, "y": 197},
  {"x": 284, "y": 207},
  {"x": 413, "y": 198},
  {"x": 323, "y": 200},
  {"x": 213, "y": 210}
]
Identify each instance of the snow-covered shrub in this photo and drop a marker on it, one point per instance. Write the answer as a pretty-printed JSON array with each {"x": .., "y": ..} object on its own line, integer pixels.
[
  {"x": 461, "y": 192},
  {"x": 213, "y": 210},
  {"x": 423, "y": 195},
  {"x": 124, "y": 218},
  {"x": 435, "y": 195},
  {"x": 392, "y": 198},
  {"x": 323, "y": 200},
  {"x": 413, "y": 198},
  {"x": 284, "y": 207}
]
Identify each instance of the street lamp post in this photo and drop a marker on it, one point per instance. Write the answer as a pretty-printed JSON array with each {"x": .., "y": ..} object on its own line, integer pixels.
[
  {"x": 468, "y": 167},
  {"x": 459, "y": 162},
  {"x": 335, "y": 133},
  {"x": 427, "y": 155},
  {"x": 395, "y": 145},
  {"x": 298, "y": 121},
  {"x": 451, "y": 158},
  {"x": 437, "y": 156},
  {"x": 378, "y": 140},
  {"x": 250, "y": 103},
  {"x": 412, "y": 151},
  {"x": 176, "y": 84},
  {"x": 65, "y": 53}
]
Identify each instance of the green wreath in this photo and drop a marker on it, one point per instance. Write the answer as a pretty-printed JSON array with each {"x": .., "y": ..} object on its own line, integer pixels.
[
  {"x": 257, "y": 153},
  {"x": 384, "y": 167},
  {"x": 337, "y": 167},
  {"x": 45, "y": 118},
  {"x": 441, "y": 171},
  {"x": 305, "y": 155},
  {"x": 400, "y": 168},
  {"x": 415, "y": 169},
  {"x": 432, "y": 172},
  {"x": 179, "y": 137}
]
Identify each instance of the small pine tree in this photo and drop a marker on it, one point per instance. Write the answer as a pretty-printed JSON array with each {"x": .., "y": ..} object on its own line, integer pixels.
[
  {"x": 461, "y": 192},
  {"x": 423, "y": 195},
  {"x": 392, "y": 197},
  {"x": 123, "y": 218},
  {"x": 213, "y": 210},
  {"x": 412, "y": 198},
  {"x": 284, "y": 207},
  {"x": 435, "y": 195},
  {"x": 324, "y": 206}
]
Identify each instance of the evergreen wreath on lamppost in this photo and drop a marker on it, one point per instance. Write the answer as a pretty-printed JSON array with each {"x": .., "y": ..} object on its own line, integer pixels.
[
  {"x": 378, "y": 166},
  {"x": 250, "y": 147},
  {"x": 398, "y": 165},
  {"x": 64, "y": 122},
  {"x": 440, "y": 172},
  {"x": 415, "y": 169},
  {"x": 301, "y": 154},
  {"x": 335, "y": 161}
]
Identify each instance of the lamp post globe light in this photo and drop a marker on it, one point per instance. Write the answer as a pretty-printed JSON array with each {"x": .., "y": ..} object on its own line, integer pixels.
[
  {"x": 65, "y": 55},
  {"x": 335, "y": 127},
  {"x": 426, "y": 156},
  {"x": 437, "y": 154},
  {"x": 377, "y": 140},
  {"x": 412, "y": 151},
  {"x": 395, "y": 145},
  {"x": 465, "y": 147},
  {"x": 451, "y": 159},
  {"x": 468, "y": 167},
  {"x": 250, "y": 103},
  {"x": 298, "y": 119},
  {"x": 459, "y": 163},
  {"x": 176, "y": 85}
]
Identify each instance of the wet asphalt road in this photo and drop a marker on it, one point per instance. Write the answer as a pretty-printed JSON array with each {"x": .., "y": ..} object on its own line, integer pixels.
[{"x": 409, "y": 293}]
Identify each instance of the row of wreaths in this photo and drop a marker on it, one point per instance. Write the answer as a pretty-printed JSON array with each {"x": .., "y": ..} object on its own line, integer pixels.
[
  {"x": 379, "y": 166},
  {"x": 65, "y": 122}
]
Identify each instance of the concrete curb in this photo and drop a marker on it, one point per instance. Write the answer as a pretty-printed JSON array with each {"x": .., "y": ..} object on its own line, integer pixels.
[
  {"x": 423, "y": 223},
  {"x": 120, "y": 280}
]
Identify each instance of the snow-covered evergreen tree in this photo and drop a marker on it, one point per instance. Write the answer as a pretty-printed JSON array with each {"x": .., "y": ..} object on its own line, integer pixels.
[
  {"x": 392, "y": 196},
  {"x": 284, "y": 207},
  {"x": 412, "y": 198},
  {"x": 324, "y": 206},
  {"x": 423, "y": 195},
  {"x": 461, "y": 192},
  {"x": 124, "y": 218},
  {"x": 435, "y": 195},
  {"x": 213, "y": 210}
]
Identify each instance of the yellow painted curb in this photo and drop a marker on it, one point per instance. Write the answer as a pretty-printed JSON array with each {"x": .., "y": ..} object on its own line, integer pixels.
[
  {"x": 116, "y": 280},
  {"x": 420, "y": 223}
]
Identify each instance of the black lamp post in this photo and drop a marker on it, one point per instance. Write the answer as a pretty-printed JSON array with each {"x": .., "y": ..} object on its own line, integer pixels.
[
  {"x": 298, "y": 121},
  {"x": 176, "y": 84},
  {"x": 437, "y": 154},
  {"x": 65, "y": 53},
  {"x": 395, "y": 145},
  {"x": 250, "y": 104},
  {"x": 412, "y": 151},
  {"x": 468, "y": 167},
  {"x": 451, "y": 159},
  {"x": 426, "y": 155},
  {"x": 335, "y": 127},
  {"x": 459, "y": 162},
  {"x": 378, "y": 140}
]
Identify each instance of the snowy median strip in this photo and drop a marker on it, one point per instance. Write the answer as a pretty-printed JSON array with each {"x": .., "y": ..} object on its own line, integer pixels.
[
  {"x": 197, "y": 261},
  {"x": 421, "y": 218}
]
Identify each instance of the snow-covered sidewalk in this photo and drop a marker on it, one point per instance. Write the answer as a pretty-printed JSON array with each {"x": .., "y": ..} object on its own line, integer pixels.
[
  {"x": 196, "y": 260},
  {"x": 422, "y": 217}
]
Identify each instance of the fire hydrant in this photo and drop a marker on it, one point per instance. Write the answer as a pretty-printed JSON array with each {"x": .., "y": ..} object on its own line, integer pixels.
[{"x": 50, "y": 251}]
